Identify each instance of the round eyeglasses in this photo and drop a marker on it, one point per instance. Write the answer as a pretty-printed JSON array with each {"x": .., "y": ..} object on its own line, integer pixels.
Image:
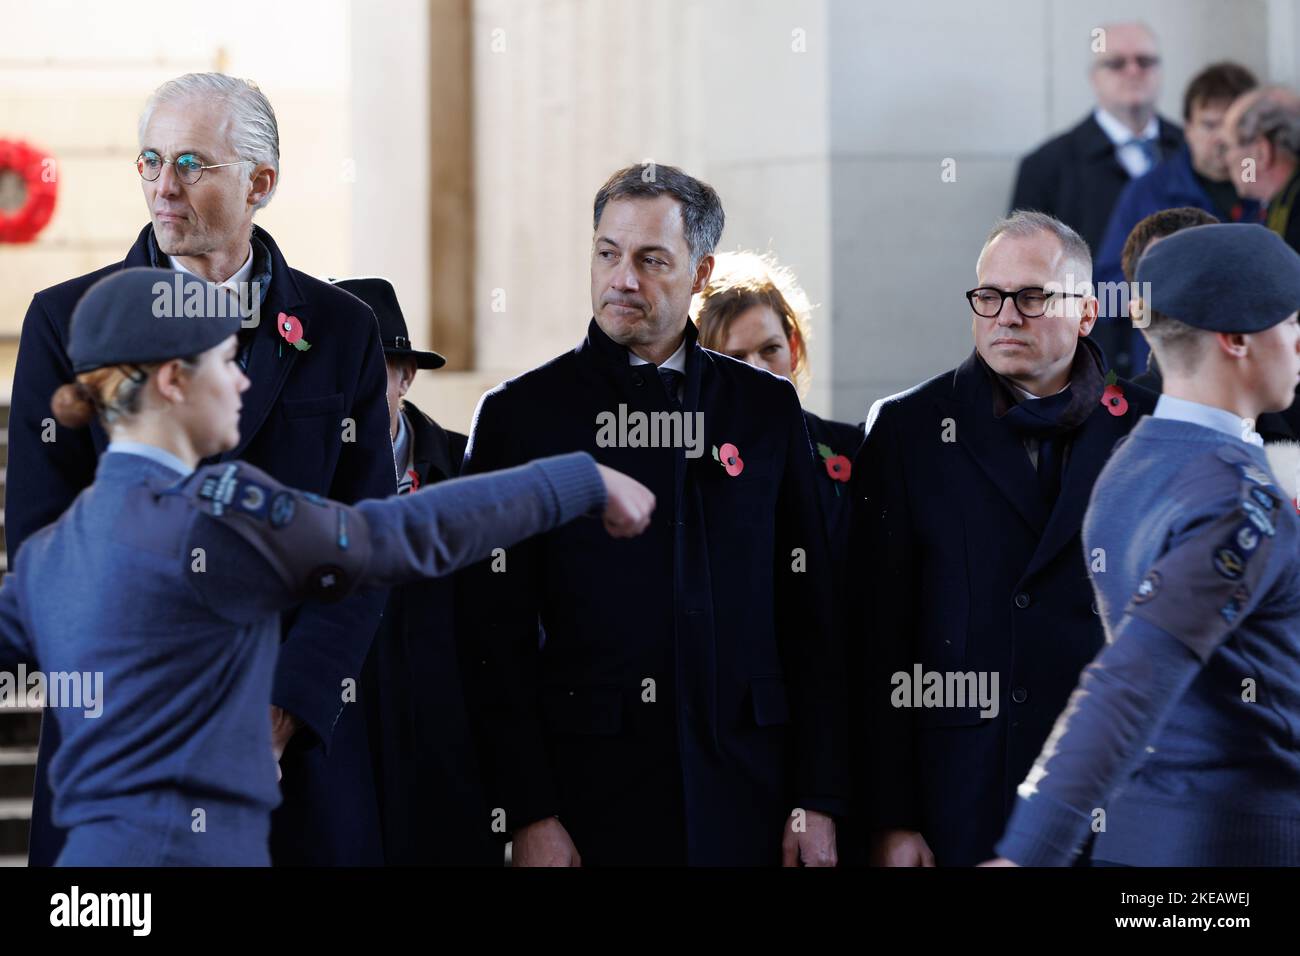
[
  {"x": 1031, "y": 302},
  {"x": 189, "y": 168}
]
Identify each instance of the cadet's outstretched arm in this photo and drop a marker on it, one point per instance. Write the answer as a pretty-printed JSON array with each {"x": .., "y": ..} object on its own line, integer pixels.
[
  {"x": 455, "y": 523},
  {"x": 318, "y": 548}
]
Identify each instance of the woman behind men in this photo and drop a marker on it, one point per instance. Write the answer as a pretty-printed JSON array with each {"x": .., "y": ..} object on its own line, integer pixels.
[
  {"x": 168, "y": 581},
  {"x": 754, "y": 310}
]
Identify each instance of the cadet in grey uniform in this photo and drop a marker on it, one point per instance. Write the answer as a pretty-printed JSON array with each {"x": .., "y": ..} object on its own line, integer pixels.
[
  {"x": 168, "y": 581},
  {"x": 1179, "y": 746}
]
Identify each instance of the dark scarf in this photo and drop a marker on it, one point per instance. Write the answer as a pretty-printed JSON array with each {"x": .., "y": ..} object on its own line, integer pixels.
[{"x": 1054, "y": 419}]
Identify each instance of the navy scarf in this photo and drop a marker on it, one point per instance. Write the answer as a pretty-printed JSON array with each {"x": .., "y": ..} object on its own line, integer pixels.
[{"x": 1054, "y": 419}]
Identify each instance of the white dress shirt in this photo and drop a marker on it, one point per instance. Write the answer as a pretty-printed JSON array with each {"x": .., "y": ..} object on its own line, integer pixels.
[{"x": 1130, "y": 154}]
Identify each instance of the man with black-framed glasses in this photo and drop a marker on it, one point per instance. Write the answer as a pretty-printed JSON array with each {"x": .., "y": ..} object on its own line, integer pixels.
[
  {"x": 1078, "y": 176},
  {"x": 971, "y": 490},
  {"x": 315, "y": 418}
]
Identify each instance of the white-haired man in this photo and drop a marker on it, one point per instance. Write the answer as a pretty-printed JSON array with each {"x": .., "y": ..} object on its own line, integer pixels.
[{"x": 315, "y": 416}]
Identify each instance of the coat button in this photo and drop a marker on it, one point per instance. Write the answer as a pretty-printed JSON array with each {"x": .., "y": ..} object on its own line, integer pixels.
[
  {"x": 1019, "y": 695},
  {"x": 1094, "y": 608},
  {"x": 1022, "y": 600},
  {"x": 637, "y": 380}
]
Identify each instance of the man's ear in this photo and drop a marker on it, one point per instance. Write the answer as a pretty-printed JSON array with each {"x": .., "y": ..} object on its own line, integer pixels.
[
  {"x": 703, "y": 272},
  {"x": 260, "y": 186},
  {"x": 1088, "y": 307}
]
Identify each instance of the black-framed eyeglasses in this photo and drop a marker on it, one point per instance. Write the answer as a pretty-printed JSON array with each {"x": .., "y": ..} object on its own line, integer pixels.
[
  {"x": 189, "y": 168},
  {"x": 1031, "y": 301},
  {"x": 1144, "y": 61}
]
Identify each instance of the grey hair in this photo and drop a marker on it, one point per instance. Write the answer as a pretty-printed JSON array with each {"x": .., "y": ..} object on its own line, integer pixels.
[
  {"x": 255, "y": 134},
  {"x": 1026, "y": 223},
  {"x": 1274, "y": 114},
  {"x": 702, "y": 216}
]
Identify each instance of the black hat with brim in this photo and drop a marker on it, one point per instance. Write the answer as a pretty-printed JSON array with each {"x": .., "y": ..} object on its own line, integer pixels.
[{"x": 379, "y": 294}]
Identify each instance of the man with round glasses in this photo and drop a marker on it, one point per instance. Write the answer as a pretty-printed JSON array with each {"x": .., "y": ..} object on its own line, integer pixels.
[
  {"x": 972, "y": 489},
  {"x": 315, "y": 416}
]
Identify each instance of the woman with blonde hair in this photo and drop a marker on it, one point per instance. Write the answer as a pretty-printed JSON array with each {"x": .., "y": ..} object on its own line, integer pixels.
[
  {"x": 754, "y": 310},
  {"x": 165, "y": 583}
]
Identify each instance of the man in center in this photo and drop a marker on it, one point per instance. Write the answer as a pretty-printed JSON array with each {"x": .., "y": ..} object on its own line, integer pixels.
[{"x": 699, "y": 720}]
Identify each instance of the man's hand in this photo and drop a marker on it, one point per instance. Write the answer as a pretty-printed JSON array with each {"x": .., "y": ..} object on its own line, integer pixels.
[
  {"x": 628, "y": 504},
  {"x": 544, "y": 843},
  {"x": 1000, "y": 861},
  {"x": 900, "y": 848},
  {"x": 283, "y": 726},
  {"x": 813, "y": 844}
]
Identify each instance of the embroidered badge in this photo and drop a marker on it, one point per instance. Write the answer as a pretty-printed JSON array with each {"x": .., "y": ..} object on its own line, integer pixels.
[
  {"x": 1229, "y": 564},
  {"x": 728, "y": 456},
  {"x": 1232, "y": 610},
  {"x": 282, "y": 509},
  {"x": 1257, "y": 517}
]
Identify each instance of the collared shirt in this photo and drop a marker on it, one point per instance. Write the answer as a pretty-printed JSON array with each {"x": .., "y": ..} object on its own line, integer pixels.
[
  {"x": 1130, "y": 155},
  {"x": 233, "y": 287},
  {"x": 161, "y": 455},
  {"x": 676, "y": 362},
  {"x": 403, "y": 453},
  {"x": 1220, "y": 419},
  {"x": 232, "y": 284}
]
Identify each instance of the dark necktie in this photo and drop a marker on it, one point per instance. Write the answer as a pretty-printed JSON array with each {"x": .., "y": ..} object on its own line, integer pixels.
[{"x": 672, "y": 379}]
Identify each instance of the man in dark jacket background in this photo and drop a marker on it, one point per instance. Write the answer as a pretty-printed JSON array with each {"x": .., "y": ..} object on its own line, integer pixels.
[
  {"x": 971, "y": 492},
  {"x": 683, "y": 700},
  {"x": 1196, "y": 176},
  {"x": 314, "y": 416},
  {"x": 1078, "y": 176},
  {"x": 403, "y": 772}
]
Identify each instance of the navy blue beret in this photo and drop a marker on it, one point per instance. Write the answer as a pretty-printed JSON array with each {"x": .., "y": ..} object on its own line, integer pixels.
[
  {"x": 1224, "y": 277},
  {"x": 138, "y": 316}
]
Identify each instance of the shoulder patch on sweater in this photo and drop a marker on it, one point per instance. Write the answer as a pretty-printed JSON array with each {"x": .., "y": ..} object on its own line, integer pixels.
[
  {"x": 318, "y": 547},
  {"x": 1200, "y": 588}
]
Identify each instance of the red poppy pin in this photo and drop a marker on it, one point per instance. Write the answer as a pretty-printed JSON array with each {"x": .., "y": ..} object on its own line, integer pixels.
[
  {"x": 415, "y": 479},
  {"x": 728, "y": 456},
  {"x": 290, "y": 329},
  {"x": 837, "y": 466},
  {"x": 1112, "y": 396}
]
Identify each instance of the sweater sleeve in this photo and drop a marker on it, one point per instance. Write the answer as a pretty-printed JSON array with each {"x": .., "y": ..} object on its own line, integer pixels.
[
  {"x": 319, "y": 548},
  {"x": 1216, "y": 571}
]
